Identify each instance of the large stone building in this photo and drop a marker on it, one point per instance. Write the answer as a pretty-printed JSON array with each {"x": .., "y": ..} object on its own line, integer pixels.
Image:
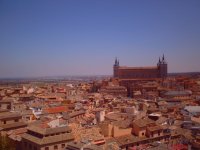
[
  {"x": 123, "y": 72},
  {"x": 129, "y": 77}
]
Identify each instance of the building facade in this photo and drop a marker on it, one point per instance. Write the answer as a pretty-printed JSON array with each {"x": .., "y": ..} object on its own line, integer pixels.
[
  {"x": 123, "y": 72},
  {"x": 114, "y": 90},
  {"x": 38, "y": 138}
]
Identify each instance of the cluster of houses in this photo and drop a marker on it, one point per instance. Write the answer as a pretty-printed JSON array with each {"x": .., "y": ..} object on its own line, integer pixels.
[{"x": 102, "y": 115}]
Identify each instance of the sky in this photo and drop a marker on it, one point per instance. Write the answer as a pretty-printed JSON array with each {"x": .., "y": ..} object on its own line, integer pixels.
[{"x": 83, "y": 37}]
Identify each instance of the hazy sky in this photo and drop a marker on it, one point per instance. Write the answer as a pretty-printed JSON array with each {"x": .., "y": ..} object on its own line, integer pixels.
[{"x": 71, "y": 37}]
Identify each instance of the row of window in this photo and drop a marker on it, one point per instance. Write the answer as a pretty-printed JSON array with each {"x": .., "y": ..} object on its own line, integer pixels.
[
  {"x": 55, "y": 147},
  {"x": 138, "y": 75},
  {"x": 32, "y": 147}
]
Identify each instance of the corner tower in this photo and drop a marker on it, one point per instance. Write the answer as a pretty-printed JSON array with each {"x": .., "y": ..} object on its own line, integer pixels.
[
  {"x": 162, "y": 67},
  {"x": 115, "y": 68}
]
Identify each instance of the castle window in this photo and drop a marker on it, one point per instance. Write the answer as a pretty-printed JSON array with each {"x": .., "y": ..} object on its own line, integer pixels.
[
  {"x": 63, "y": 145},
  {"x": 56, "y": 147},
  {"x": 46, "y": 148}
]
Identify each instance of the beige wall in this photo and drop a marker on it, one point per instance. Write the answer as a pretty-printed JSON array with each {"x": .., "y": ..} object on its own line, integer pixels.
[
  {"x": 106, "y": 129},
  {"x": 109, "y": 130},
  {"x": 120, "y": 132}
]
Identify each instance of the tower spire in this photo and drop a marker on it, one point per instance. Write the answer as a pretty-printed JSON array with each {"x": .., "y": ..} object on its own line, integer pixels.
[
  {"x": 115, "y": 61},
  {"x": 163, "y": 58},
  {"x": 159, "y": 62},
  {"x": 118, "y": 62}
]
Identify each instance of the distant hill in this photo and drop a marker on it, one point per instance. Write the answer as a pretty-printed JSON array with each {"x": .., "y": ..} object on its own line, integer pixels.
[
  {"x": 191, "y": 74},
  {"x": 81, "y": 78}
]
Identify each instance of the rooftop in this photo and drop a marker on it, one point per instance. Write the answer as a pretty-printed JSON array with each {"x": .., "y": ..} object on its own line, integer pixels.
[
  {"x": 14, "y": 125},
  {"x": 143, "y": 122},
  {"x": 58, "y": 109},
  {"x": 8, "y": 115},
  {"x": 155, "y": 128},
  {"x": 48, "y": 131},
  {"x": 49, "y": 139}
]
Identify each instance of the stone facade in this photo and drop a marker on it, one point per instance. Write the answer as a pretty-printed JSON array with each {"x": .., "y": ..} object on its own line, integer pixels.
[
  {"x": 9, "y": 118},
  {"x": 114, "y": 90}
]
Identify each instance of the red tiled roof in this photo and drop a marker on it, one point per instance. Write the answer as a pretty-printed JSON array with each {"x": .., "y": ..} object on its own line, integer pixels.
[{"x": 57, "y": 109}]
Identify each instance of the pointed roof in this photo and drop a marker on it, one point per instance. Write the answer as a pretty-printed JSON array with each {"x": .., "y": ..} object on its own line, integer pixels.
[
  {"x": 115, "y": 60},
  {"x": 118, "y": 62},
  {"x": 163, "y": 58}
]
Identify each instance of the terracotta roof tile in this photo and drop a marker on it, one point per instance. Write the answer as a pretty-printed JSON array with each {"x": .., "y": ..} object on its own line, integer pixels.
[{"x": 57, "y": 109}]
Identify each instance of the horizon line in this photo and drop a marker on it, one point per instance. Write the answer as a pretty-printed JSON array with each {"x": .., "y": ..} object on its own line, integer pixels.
[{"x": 89, "y": 75}]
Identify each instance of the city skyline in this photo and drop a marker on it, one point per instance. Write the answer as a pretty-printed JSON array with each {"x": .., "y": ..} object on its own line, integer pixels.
[{"x": 51, "y": 38}]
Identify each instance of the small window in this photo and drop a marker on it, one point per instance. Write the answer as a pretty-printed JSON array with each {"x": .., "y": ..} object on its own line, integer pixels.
[
  {"x": 25, "y": 144},
  {"x": 56, "y": 147},
  {"x": 4, "y": 121},
  {"x": 16, "y": 120},
  {"x": 63, "y": 145},
  {"x": 142, "y": 133},
  {"x": 46, "y": 148}
]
